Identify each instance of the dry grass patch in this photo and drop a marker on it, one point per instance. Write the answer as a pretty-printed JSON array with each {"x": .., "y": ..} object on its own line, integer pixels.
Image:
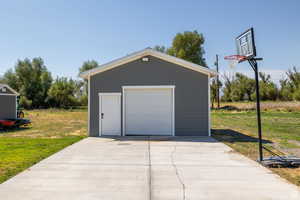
[
  {"x": 52, "y": 123},
  {"x": 288, "y": 106}
]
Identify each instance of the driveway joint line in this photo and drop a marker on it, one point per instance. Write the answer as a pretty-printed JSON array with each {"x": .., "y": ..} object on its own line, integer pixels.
[
  {"x": 177, "y": 172},
  {"x": 149, "y": 169}
]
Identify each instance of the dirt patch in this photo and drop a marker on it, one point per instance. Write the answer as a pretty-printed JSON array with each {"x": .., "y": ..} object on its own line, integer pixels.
[
  {"x": 287, "y": 151},
  {"x": 294, "y": 151},
  {"x": 77, "y": 133},
  {"x": 231, "y": 151},
  {"x": 295, "y": 142},
  {"x": 1, "y": 172}
]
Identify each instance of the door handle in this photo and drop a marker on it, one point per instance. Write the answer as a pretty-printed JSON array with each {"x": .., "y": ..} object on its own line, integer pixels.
[{"x": 102, "y": 115}]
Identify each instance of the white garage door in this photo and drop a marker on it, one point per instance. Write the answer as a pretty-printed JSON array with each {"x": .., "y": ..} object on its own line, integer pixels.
[{"x": 148, "y": 111}]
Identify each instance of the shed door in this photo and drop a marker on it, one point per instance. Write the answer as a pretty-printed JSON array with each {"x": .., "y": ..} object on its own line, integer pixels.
[
  {"x": 110, "y": 114},
  {"x": 148, "y": 111}
]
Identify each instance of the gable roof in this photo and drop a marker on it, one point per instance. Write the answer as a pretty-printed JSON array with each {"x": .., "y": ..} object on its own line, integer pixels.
[
  {"x": 148, "y": 52},
  {"x": 9, "y": 88}
]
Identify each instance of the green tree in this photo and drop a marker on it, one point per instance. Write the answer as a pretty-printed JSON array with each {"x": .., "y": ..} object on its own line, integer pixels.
[
  {"x": 62, "y": 93},
  {"x": 188, "y": 46},
  {"x": 242, "y": 88},
  {"x": 81, "y": 92},
  {"x": 82, "y": 86},
  {"x": 238, "y": 88},
  {"x": 267, "y": 89},
  {"x": 290, "y": 86},
  {"x": 10, "y": 78},
  {"x": 25, "y": 103},
  {"x": 227, "y": 89},
  {"x": 162, "y": 49},
  {"x": 286, "y": 90},
  {"x": 213, "y": 91},
  {"x": 87, "y": 65},
  {"x": 32, "y": 79},
  {"x": 296, "y": 95}
]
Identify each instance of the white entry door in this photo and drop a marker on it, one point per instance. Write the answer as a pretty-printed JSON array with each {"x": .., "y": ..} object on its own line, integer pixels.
[
  {"x": 109, "y": 114},
  {"x": 148, "y": 110}
]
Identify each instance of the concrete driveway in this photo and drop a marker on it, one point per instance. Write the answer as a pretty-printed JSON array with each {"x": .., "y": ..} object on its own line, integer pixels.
[{"x": 142, "y": 168}]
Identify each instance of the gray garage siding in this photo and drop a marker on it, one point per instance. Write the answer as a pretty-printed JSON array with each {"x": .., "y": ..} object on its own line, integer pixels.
[
  {"x": 191, "y": 92},
  {"x": 7, "y": 106}
]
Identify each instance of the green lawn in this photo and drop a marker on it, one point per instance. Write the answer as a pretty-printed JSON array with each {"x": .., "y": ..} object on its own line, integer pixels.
[
  {"x": 51, "y": 131},
  {"x": 17, "y": 154},
  {"x": 281, "y": 134}
]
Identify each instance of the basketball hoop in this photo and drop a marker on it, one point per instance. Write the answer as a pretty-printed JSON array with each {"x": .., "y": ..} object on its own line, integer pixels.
[
  {"x": 233, "y": 60},
  {"x": 246, "y": 51}
]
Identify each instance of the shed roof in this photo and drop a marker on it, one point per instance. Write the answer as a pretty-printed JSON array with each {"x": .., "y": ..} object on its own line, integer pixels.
[{"x": 9, "y": 88}]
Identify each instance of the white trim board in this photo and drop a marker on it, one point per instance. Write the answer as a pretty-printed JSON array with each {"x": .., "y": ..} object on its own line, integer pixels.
[
  {"x": 123, "y": 111},
  {"x": 148, "y": 52},
  {"x": 149, "y": 87},
  {"x": 110, "y": 93},
  {"x": 4, "y": 94},
  {"x": 173, "y": 112},
  {"x": 172, "y": 87},
  {"x": 89, "y": 102},
  {"x": 209, "y": 109}
]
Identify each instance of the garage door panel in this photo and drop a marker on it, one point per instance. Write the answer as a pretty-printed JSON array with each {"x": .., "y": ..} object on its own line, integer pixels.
[
  {"x": 148, "y": 125},
  {"x": 148, "y": 111}
]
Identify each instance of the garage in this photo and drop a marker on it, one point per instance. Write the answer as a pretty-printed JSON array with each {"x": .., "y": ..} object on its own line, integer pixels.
[
  {"x": 149, "y": 93},
  {"x": 148, "y": 110}
]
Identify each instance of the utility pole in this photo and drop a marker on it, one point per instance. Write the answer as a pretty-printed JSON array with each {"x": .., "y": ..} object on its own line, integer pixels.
[{"x": 218, "y": 89}]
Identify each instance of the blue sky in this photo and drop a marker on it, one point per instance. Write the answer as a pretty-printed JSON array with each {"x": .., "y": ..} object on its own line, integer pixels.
[{"x": 66, "y": 33}]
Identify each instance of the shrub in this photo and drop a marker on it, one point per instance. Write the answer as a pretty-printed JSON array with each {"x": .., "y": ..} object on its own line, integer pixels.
[{"x": 25, "y": 103}]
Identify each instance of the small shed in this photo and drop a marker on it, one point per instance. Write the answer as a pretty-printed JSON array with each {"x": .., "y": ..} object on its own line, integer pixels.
[
  {"x": 8, "y": 102},
  {"x": 149, "y": 93}
]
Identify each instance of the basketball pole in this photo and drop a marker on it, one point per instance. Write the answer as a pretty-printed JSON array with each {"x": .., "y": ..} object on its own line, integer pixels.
[{"x": 253, "y": 63}]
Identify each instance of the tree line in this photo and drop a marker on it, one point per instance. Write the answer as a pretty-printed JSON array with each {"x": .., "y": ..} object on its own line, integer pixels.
[
  {"x": 38, "y": 89},
  {"x": 240, "y": 87}
]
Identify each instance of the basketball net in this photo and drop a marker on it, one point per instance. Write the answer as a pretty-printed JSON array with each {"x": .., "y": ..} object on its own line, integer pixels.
[
  {"x": 233, "y": 63},
  {"x": 233, "y": 60}
]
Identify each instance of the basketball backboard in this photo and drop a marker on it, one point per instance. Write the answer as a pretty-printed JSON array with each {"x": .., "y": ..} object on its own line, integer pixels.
[{"x": 245, "y": 44}]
